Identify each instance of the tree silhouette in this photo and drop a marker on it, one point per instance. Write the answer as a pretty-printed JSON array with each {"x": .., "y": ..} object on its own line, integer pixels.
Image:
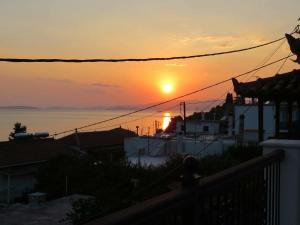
[
  {"x": 229, "y": 99},
  {"x": 18, "y": 128}
]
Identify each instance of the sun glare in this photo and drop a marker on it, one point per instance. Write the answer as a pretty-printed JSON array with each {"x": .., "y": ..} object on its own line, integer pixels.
[
  {"x": 167, "y": 88},
  {"x": 166, "y": 120}
]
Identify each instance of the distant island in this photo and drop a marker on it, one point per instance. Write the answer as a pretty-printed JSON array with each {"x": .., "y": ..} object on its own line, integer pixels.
[
  {"x": 105, "y": 107},
  {"x": 121, "y": 107},
  {"x": 132, "y": 107},
  {"x": 18, "y": 107}
]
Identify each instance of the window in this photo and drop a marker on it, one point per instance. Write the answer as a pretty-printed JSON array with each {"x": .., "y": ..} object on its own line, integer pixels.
[{"x": 205, "y": 129}]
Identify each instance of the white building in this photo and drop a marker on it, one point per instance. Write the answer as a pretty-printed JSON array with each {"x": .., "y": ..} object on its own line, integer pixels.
[
  {"x": 250, "y": 113},
  {"x": 19, "y": 163},
  {"x": 162, "y": 147},
  {"x": 199, "y": 127}
]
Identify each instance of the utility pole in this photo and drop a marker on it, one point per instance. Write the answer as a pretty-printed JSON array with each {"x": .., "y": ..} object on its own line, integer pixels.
[
  {"x": 184, "y": 117},
  {"x": 148, "y": 140},
  {"x": 157, "y": 125},
  {"x": 137, "y": 130}
]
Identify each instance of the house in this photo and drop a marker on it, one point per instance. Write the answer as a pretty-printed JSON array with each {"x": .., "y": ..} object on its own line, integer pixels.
[
  {"x": 19, "y": 161},
  {"x": 104, "y": 145},
  {"x": 199, "y": 127},
  {"x": 249, "y": 125},
  {"x": 283, "y": 90},
  {"x": 151, "y": 146}
]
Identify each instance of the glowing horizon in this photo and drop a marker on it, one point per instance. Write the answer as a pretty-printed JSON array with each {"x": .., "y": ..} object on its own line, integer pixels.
[{"x": 133, "y": 29}]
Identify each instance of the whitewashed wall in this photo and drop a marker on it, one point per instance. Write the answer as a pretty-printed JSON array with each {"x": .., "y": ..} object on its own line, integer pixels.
[
  {"x": 18, "y": 185},
  {"x": 251, "y": 121},
  {"x": 181, "y": 145},
  {"x": 197, "y": 127},
  {"x": 289, "y": 179}
]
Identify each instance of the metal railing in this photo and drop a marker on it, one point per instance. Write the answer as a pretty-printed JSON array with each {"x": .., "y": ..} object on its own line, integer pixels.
[{"x": 245, "y": 194}]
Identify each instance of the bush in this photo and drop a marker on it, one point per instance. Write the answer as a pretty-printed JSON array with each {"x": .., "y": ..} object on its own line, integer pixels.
[{"x": 233, "y": 156}]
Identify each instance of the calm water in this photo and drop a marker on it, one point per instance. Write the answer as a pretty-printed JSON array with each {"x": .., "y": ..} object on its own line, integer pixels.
[{"x": 56, "y": 120}]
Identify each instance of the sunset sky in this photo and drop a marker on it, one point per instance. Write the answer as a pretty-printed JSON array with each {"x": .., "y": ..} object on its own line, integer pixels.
[{"x": 133, "y": 28}]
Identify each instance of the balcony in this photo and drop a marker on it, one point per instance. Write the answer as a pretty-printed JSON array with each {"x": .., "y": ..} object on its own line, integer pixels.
[{"x": 249, "y": 193}]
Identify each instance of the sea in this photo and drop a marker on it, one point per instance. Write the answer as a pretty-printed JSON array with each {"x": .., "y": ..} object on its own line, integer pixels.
[{"x": 56, "y": 120}]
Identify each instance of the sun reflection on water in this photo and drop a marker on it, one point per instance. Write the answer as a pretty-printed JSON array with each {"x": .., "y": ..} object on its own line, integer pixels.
[{"x": 166, "y": 120}]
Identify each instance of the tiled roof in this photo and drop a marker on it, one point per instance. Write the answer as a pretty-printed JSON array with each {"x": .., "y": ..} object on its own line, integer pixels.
[
  {"x": 29, "y": 151},
  {"x": 283, "y": 86},
  {"x": 89, "y": 140}
]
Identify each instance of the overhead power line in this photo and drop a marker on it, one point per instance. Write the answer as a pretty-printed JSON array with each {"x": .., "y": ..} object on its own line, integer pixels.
[
  {"x": 173, "y": 99},
  {"x": 28, "y": 60},
  {"x": 134, "y": 120},
  {"x": 151, "y": 115},
  {"x": 202, "y": 102},
  {"x": 265, "y": 60}
]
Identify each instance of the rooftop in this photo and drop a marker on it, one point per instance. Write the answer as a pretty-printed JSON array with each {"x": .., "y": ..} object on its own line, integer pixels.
[
  {"x": 281, "y": 86},
  {"x": 21, "y": 152},
  {"x": 88, "y": 140}
]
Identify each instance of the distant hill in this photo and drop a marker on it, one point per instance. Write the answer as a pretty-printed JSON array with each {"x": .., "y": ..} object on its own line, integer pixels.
[
  {"x": 18, "y": 107},
  {"x": 192, "y": 105}
]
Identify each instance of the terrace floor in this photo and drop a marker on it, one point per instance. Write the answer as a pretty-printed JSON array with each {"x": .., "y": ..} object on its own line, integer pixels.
[{"x": 48, "y": 213}]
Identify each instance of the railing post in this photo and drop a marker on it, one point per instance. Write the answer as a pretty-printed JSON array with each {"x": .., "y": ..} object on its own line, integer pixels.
[{"x": 190, "y": 180}]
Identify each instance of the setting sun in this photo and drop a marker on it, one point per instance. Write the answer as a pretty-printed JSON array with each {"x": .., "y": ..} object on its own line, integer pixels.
[{"x": 167, "y": 88}]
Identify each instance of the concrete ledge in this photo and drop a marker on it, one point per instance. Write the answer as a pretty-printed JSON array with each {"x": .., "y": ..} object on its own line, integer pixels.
[
  {"x": 280, "y": 143},
  {"x": 289, "y": 178}
]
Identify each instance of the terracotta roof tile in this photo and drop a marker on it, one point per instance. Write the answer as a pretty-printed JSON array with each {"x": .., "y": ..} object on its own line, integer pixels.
[
  {"x": 283, "y": 86},
  {"x": 29, "y": 151},
  {"x": 98, "y": 138}
]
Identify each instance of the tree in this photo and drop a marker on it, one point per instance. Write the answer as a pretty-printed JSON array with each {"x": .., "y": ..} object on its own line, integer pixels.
[
  {"x": 18, "y": 128},
  {"x": 229, "y": 99}
]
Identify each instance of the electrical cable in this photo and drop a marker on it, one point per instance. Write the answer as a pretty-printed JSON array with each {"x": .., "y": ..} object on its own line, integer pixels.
[
  {"x": 130, "y": 121},
  {"x": 28, "y": 60},
  {"x": 173, "y": 99},
  {"x": 254, "y": 73}
]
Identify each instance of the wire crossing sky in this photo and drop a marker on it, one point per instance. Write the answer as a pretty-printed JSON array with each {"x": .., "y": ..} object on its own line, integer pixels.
[
  {"x": 176, "y": 98},
  {"x": 159, "y": 32},
  {"x": 18, "y": 60}
]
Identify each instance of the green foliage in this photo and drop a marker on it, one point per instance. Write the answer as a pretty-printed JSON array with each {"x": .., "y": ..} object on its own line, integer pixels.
[
  {"x": 18, "y": 128},
  {"x": 244, "y": 153},
  {"x": 213, "y": 164},
  {"x": 233, "y": 156},
  {"x": 216, "y": 113}
]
